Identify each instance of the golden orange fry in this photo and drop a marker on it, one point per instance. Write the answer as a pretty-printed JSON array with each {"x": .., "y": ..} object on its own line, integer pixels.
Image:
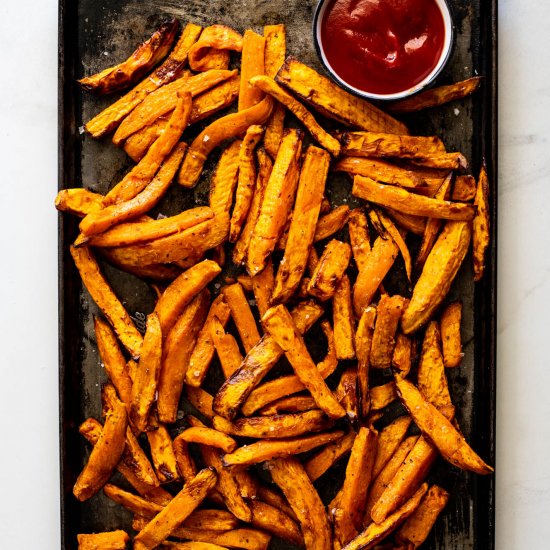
[
  {"x": 162, "y": 453},
  {"x": 330, "y": 270},
  {"x": 79, "y": 202},
  {"x": 481, "y": 225},
  {"x": 450, "y": 334},
  {"x": 252, "y": 65},
  {"x": 242, "y": 315},
  {"x": 209, "y": 50}
]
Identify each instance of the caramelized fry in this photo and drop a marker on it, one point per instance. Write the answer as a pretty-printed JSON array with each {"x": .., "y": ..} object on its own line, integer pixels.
[
  {"x": 252, "y": 65},
  {"x": 311, "y": 188},
  {"x": 275, "y": 53},
  {"x": 290, "y": 404},
  {"x": 276, "y": 522},
  {"x": 398, "y": 239},
  {"x": 246, "y": 180},
  {"x": 439, "y": 271},
  {"x": 79, "y": 202},
  {"x": 204, "y": 348},
  {"x": 108, "y": 119},
  {"x": 269, "y": 86},
  {"x": 249, "y": 539},
  {"x": 241, "y": 246},
  {"x": 382, "y": 396},
  {"x": 201, "y": 400},
  {"x": 178, "y": 346},
  {"x": 437, "y": 96},
  {"x": 104, "y": 297},
  {"x": 242, "y": 315},
  {"x": 464, "y": 188},
  {"x": 402, "y": 354},
  {"x": 114, "y": 540},
  {"x": 291, "y": 477},
  {"x": 209, "y": 52},
  {"x": 262, "y": 286},
  {"x": 450, "y": 334},
  {"x": 343, "y": 321},
  {"x": 330, "y": 270},
  {"x": 220, "y": 130},
  {"x": 450, "y": 443},
  {"x": 332, "y": 101},
  {"x": 318, "y": 464},
  {"x": 409, "y": 203},
  {"x": 389, "y": 440},
  {"x": 227, "y": 348},
  {"x": 207, "y": 436},
  {"x": 224, "y": 180},
  {"x": 163, "y": 455},
  {"x": 363, "y": 344},
  {"x": 387, "y": 320},
  {"x": 144, "y": 388},
  {"x": 359, "y": 237},
  {"x": 105, "y": 455},
  {"x": 480, "y": 238},
  {"x": 276, "y": 203}
]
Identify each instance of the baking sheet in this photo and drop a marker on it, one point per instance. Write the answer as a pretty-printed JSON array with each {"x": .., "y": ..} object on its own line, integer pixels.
[{"x": 96, "y": 33}]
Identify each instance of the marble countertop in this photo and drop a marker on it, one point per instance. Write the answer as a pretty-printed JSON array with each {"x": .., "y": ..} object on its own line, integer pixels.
[{"x": 29, "y": 471}]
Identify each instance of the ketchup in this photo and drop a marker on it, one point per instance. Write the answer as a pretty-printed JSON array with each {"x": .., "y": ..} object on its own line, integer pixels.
[{"x": 382, "y": 46}]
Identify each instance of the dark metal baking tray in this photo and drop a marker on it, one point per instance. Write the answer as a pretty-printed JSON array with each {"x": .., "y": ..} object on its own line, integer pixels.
[{"x": 94, "y": 33}]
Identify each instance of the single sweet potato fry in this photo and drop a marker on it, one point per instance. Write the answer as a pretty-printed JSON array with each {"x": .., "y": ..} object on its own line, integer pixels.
[
  {"x": 276, "y": 522},
  {"x": 389, "y": 439},
  {"x": 436, "y": 96},
  {"x": 359, "y": 237},
  {"x": 346, "y": 393},
  {"x": 371, "y": 144},
  {"x": 114, "y": 540},
  {"x": 125, "y": 234},
  {"x": 176, "y": 511},
  {"x": 267, "y": 449},
  {"x": 332, "y": 101},
  {"x": 276, "y": 202},
  {"x": 418, "y": 526},
  {"x": 275, "y": 53},
  {"x": 330, "y": 270},
  {"x": 203, "y": 352},
  {"x": 290, "y": 404},
  {"x": 252, "y": 65},
  {"x": 104, "y": 297},
  {"x": 262, "y": 286},
  {"x": 378, "y": 263},
  {"x": 269, "y": 86},
  {"x": 348, "y": 517},
  {"x": 162, "y": 453},
  {"x": 248, "y": 539},
  {"x": 464, "y": 188},
  {"x": 220, "y": 130},
  {"x": 108, "y": 119},
  {"x": 402, "y": 354},
  {"x": 246, "y": 180},
  {"x": 450, "y": 334},
  {"x": 375, "y": 532},
  {"x": 201, "y": 400},
  {"x": 291, "y": 477},
  {"x": 432, "y": 381},
  {"x": 142, "y": 60},
  {"x": 448, "y": 440},
  {"x": 274, "y": 427},
  {"x": 363, "y": 344},
  {"x": 390, "y": 310},
  {"x": 311, "y": 188},
  {"x": 177, "y": 350},
  {"x": 381, "y": 396},
  {"x": 481, "y": 225},
  {"x": 226, "y": 347},
  {"x": 105, "y": 455},
  {"x": 278, "y": 322},
  {"x": 242, "y": 315},
  {"x": 439, "y": 271},
  {"x": 180, "y": 293},
  {"x": 208, "y": 436},
  {"x": 79, "y": 202},
  {"x": 113, "y": 360},
  {"x": 442, "y": 161},
  {"x": 135, "y": 181},
  {"x": 265, "y": 164},
  {"x": 331, "y": 222},
  {"x": 379, "y": 170},
  {"x": 209, "y": 52},
  {"x": 144, "y": 388},
  {"x": 343, "y": 320},
  {"x": 258, "y": 362},
  {"x": 409, "y": 203}
]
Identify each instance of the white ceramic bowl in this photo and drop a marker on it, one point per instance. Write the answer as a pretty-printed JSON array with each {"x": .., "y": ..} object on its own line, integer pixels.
[{"x": 429, "y": 79}]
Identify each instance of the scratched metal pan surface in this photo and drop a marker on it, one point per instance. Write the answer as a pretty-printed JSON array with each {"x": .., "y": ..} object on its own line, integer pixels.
[{"x": 96, "y": 33}]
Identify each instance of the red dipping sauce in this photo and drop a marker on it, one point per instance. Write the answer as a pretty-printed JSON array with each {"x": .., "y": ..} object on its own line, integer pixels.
[{"x": 383, "y": 46}]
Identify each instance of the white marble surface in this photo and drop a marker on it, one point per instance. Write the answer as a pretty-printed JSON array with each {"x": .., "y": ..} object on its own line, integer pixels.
[{"x": 29, "y": 515}]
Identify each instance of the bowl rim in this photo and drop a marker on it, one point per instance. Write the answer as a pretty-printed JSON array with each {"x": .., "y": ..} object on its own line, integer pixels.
[{"x": 428, "y": 80}]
